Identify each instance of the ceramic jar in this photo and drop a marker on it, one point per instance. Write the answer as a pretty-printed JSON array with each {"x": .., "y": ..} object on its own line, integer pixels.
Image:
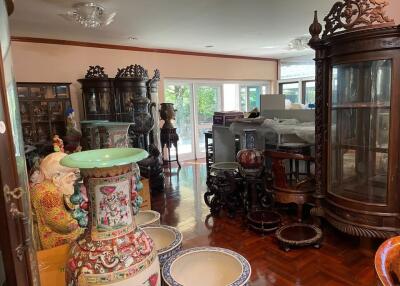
[
  {"x": 211, "y": 266},
  {"x": 90, "y": 134},
  {"x": 112, "y": 250},
  {"x": 167, "y": 239},
  {"x": 167, "y": 113},
  {"x": 114, "y": 134},
  {"x": 250, "y": 159}
]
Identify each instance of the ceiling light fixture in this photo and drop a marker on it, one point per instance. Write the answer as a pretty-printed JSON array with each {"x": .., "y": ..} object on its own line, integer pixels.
[
  {"x": 90, "y": 15},
  {"x": 132, "y": 38},
  {"x": 299, "y": 44}
]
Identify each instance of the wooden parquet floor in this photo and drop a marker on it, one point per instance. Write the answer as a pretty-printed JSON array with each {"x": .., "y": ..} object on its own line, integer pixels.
[{"x": 339, "y": 262}]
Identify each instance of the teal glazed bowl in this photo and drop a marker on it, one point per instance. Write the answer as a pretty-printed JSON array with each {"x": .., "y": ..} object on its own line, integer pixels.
[{"x": 104, "y": 158}]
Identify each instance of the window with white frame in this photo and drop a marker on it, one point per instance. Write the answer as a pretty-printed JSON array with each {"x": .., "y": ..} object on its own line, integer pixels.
[
  {"x": 244, "y": 96},
  {"x": 299, "y": 91},
  {"x": 297, "y": 80}
]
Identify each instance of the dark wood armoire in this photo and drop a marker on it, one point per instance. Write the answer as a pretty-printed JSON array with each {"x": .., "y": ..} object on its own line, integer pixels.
[
  {"x": 358, "y": 118},
  {"x": 125, "y": 98}
]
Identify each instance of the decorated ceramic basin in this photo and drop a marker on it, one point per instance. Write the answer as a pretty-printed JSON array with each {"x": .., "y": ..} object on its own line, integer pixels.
[
  {"x": 147, "y": 218},
  {"x": 167, "y": 239},
  {"x": 211, "y": 266},
  {"x": 104, "y": 158}
]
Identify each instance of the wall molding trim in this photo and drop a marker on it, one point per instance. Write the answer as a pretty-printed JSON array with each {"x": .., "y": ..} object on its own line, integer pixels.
[{"x": 135, "y": 49}]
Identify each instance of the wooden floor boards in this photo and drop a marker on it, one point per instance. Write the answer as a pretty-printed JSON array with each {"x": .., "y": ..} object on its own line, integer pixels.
[{"x": 339, "y": 262}]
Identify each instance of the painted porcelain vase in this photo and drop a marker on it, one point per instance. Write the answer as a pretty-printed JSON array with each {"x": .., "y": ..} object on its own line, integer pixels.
[
  {"x": 112, "y": 250},
  {"x": 250, "y": 159}
]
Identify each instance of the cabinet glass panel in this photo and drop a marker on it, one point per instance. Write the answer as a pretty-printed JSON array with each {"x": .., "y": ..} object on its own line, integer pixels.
[{"x": 360, "y": 116}]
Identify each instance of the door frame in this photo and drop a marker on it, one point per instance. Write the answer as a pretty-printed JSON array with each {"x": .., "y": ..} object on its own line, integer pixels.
[{"x": 14, "y": 235}]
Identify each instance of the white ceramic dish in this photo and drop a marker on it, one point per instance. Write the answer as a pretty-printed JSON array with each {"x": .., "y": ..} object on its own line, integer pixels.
[
  {"x": 167, "y": 239},
  {"x": 147, "y": 218},
  {"x": 211, "y": 266}
]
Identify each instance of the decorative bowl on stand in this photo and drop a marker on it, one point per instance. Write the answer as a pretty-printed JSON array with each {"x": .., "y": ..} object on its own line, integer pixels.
[
  {"x": 211, "y": 266},
  {"x": 167, "y": 239},
  {"x": 147, "y": 218}
]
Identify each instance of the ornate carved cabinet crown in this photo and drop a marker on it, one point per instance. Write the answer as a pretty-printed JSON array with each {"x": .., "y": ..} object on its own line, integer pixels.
[
  {"x": 357, "y": 118},
  {"x": 98, "y": 95}
]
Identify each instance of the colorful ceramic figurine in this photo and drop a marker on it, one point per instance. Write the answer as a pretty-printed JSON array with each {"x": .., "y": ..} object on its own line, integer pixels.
[
  {"x": 58, "y": 144},
  {"x": 113, "y": 250},
  {"x": 52, "y": 187}
]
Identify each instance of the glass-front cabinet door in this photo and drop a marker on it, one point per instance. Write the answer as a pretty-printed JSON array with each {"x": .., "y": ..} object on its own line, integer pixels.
[{"x": 359, "y": 131}]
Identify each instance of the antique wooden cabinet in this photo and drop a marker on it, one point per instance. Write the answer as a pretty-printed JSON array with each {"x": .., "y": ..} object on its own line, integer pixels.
[
  {"x": 125, "y": 98},
  {"x": 97, "y": 95},
  {"x": 43, "y": 107},
  {"x": 358, "y": 119}
]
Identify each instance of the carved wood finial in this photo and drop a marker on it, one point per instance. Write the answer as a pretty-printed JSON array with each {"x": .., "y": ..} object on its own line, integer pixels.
[
  {"x": 133, "y": 71},
  {"x": 96, "y": 72},
  {"x": 315, "y": 29},
  {"x": 350, "y": 14}
]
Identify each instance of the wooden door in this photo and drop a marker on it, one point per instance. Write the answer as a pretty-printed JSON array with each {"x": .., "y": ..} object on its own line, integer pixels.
[
  {"x": 15, "y": 252},
  {"x": 14, "y": 224}
]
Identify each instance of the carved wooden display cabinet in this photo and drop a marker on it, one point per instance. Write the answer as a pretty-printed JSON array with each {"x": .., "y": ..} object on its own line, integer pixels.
[
  {"x": 357, "y": 119},
  {"x": 43, "y": 108},
  {"x": 97, "y": 95}
]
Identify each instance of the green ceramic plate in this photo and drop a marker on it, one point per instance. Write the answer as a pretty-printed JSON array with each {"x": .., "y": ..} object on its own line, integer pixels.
[
  {"x": 104, "y": 158},
  {"x": 93, "y": 121}
]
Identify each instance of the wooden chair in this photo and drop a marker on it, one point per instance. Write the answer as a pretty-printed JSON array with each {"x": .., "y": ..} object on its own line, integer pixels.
[
  {"x": 288, "y": 190},
  {"x": 387, "y": 262}
]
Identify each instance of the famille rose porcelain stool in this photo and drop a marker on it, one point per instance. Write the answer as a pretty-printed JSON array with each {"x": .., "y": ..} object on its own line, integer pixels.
[{"x": 112, "y": 250}]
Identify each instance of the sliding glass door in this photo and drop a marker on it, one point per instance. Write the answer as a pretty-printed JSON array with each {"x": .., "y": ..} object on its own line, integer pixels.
[
  {"x": 207, "y": 100},
  {"x": 196, "y": 102},
  {"x": 180, "y": 94}
]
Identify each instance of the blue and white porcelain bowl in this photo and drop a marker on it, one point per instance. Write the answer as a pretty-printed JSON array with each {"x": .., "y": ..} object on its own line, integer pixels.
[
  {"x": 167, "y": 239},
  {"x": 211, "y": 266},
  {"x": 147, "y": 218}
]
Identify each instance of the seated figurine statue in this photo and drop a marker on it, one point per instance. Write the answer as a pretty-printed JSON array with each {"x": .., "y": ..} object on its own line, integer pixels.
[{"x": 51, "y": 188}]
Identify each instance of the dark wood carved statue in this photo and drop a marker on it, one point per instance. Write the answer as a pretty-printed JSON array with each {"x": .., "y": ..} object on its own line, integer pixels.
[
  {"x": 151, "y": 167},
  {"x": 357, "y": 128}
]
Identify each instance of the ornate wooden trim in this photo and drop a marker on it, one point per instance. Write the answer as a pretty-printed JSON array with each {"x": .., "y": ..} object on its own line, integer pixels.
[
  {"x": 96, "y": 72},
  {"x": 133, "y": 71},
  {"x": 135, "y": 49},
  {"x": 350, "y": 14},
  {"x": 357, "y": 230}
]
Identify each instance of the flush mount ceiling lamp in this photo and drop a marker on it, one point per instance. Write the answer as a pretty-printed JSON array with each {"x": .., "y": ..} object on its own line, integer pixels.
[
  {"x": 90, "y": 15},
  {"x": 299, "y": 44}
]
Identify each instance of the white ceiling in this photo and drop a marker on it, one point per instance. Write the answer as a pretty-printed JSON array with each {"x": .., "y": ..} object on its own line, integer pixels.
[{"x": 261, "y": 28}]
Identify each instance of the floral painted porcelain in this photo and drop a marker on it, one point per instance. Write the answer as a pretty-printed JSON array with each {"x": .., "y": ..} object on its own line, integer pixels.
[
  {"x": 113, "y": 250},
  {"x": 167, "y": 239},
  {"x": 211, "y": 266}
]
